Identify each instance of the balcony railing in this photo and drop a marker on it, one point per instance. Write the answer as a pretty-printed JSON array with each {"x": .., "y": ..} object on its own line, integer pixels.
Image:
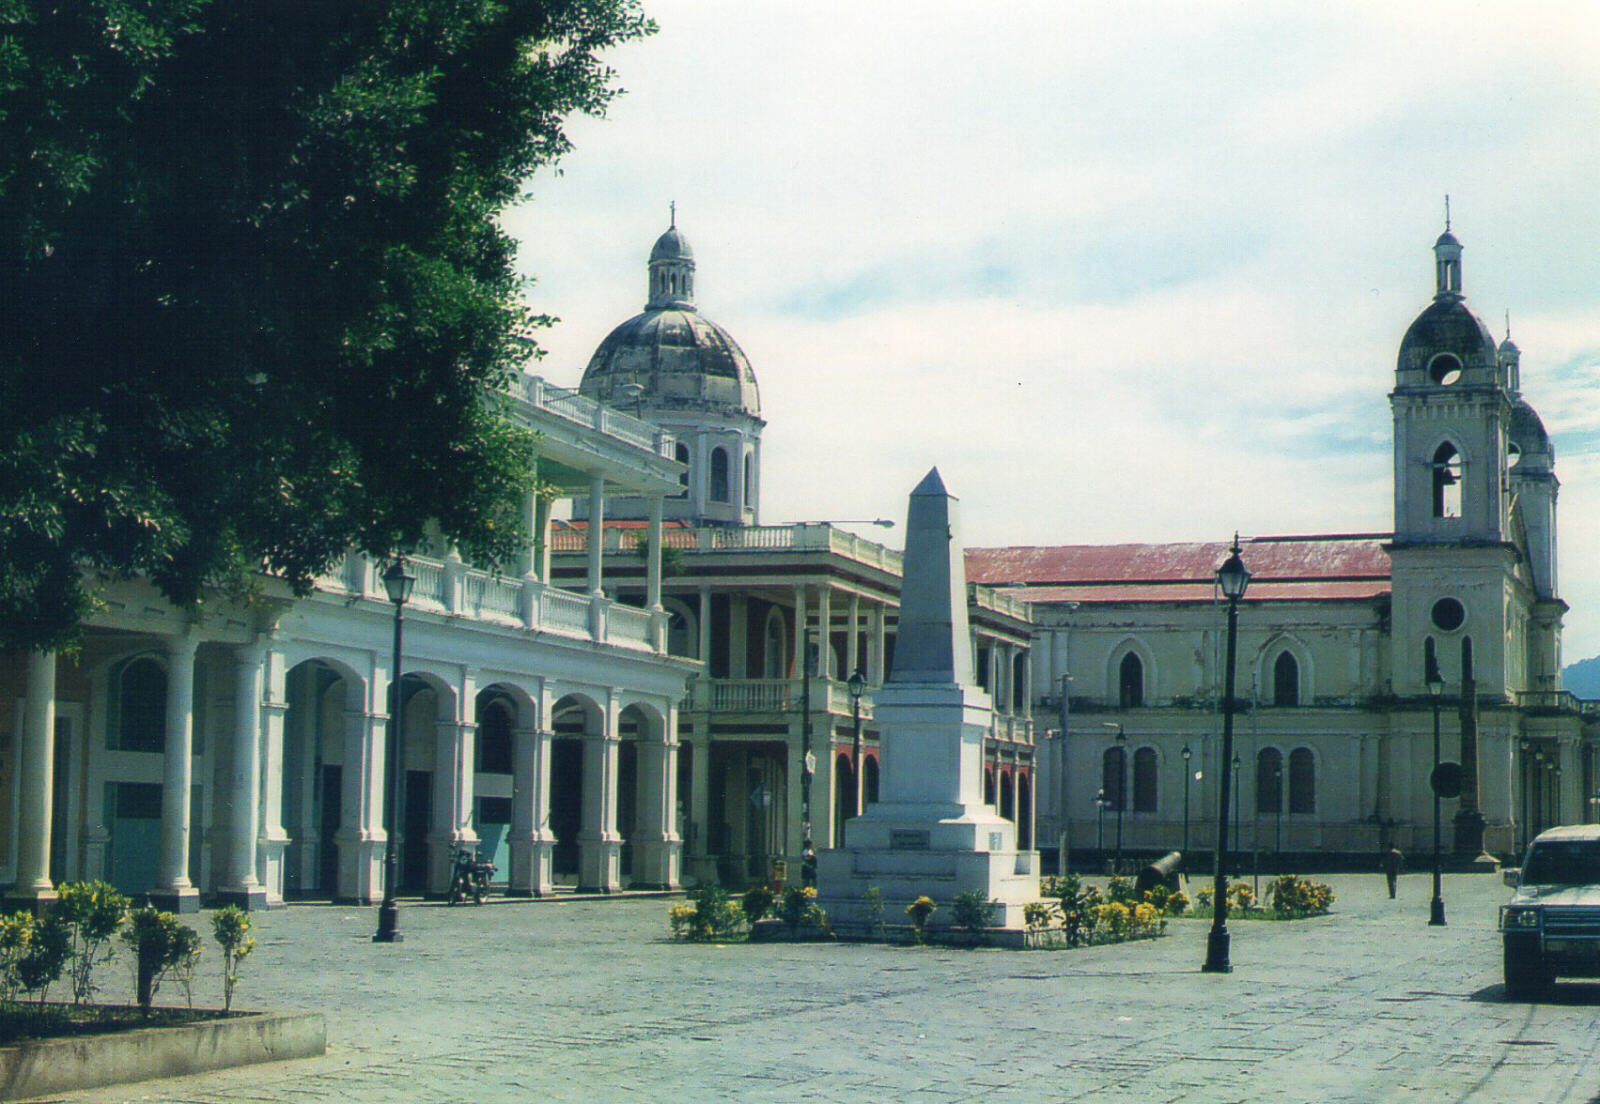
[
  {"x": 1557, "y": 701},
  {"x": 567, "y": 404},
  {"x": 451, "y": 587},
  {"x": 724, "y": 695}
]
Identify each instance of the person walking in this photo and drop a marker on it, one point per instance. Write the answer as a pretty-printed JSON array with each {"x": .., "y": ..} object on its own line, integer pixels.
[{"x": 1393, "y": 862}]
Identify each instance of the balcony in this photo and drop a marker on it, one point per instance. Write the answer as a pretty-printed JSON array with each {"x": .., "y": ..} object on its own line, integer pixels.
[
  {"x": 451, "y": 588},
  {"x": 772, "y": 696},
  {"x": 1557, "y": 701}
]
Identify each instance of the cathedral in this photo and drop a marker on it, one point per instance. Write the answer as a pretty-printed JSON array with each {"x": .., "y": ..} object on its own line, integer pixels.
[{"x": 1349, "y": 647}]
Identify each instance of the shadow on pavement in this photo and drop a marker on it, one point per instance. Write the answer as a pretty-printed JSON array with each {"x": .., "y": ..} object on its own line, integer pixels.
[{"x": 1575, "y": 993}]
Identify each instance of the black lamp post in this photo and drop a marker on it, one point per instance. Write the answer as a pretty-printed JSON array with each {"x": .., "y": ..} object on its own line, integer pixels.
[
  {"x": 1100, "y": 826},
  {"x": 1526, "y": 747},
  {"x": 1277, "y": 834},
  {"x": 1435, "y": 688},
  {"x": 1232, "y": 577},
  {"x": 397, "y": 584},
  {"x": 1186, "y": 753},
  {"x": 857, "y": 683},
  {"x": 1122, "y": 786},
  {"x": 1238, "y": 807}
]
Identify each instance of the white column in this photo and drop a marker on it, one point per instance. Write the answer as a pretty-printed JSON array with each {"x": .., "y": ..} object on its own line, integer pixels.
[
  {"x": 272, "y": 841},
  {"x": 531, "y": 840},
  {"x": 852, "y": 648},
  {"x": 238, "y": 884},
  {"x": 362, "y": 798},
  {"x": 798, "y": 666},
  {"x": 454, "y": 766},
  {"x": 880, "y": 622},
  {"x": 700, "y": 802},
  {"x": 652, "y": 598},
  {"x": 703, "y": 645},
  {"x": 597, "y": 527},
  {"x": 599, "y": 842},
  {"x": 173, "y": 891},
  {"x": 825, "y": 632},
  {"x": 657, "y": 849},
  {"x": 36, "y": 783}
]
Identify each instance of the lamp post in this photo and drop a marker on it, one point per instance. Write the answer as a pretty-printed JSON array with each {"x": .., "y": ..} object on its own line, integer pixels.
[
  {"x": 1555, "y": 792},
  {"x": 1100, "y": 826},
  {"x": 1435, "y": 688},
  {"x": 1526, "y": 746},
  {"x": 857, "y": 683},
  {"x": 397, "y": 584},
  {"x": 1122, "y": 785},
  {"x": 1186, "y": 753},
  {"x": 1232, "y": 577},
  {"x": 1238, "y": 806},
  {"x": 1277, "y": 834},
  {"x": 1063, "y": 807}
]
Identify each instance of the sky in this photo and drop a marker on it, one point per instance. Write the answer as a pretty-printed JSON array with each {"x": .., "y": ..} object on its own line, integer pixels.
[{"x": 1122, "y": 272}]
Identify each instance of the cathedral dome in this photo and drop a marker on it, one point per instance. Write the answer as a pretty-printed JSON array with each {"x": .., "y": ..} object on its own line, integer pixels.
[
  {"x": 1447, "y": 326},
  {"x": 672, "y": 357},
  {"x": 1529, "y": 437},
  {"x": 683, "y": 360}
]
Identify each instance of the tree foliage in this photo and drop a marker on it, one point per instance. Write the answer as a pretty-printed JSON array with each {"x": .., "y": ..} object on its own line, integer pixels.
[{"x": 258, "y": 297}]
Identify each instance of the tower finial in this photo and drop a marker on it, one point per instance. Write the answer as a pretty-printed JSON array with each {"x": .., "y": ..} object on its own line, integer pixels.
[
  {"x": 674, "y": 207},
  {"x": 1508, "y": 323},
  {"x": 1447, "y": 211}
]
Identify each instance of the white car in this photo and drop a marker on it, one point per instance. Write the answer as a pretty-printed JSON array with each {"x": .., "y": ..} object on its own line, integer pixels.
[{"x": 1551, "y": 927}]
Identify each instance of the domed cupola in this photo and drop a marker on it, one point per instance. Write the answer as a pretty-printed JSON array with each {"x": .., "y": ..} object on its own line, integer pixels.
[
  {"x": 1510, "y": 362},
  {"x": 1531, "y": 448},
  {"x": 1447, "y": 344},
  {"x": 673, "y": 366}
]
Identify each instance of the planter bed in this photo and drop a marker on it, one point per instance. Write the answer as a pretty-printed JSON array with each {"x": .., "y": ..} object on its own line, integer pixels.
[{"x": 118, "y": 1045}]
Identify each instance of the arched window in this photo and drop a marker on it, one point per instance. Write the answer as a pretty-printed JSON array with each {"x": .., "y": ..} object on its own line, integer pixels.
[
  {"x": 1302, "y": 781},
  {"x": 1008, "y": 807},
  {"x": 1446, "y": 482},
  {"x": 1269, "y": 780},
  {"x": 988, "y": 786},
  {"x": 1286, "y": 680},
  {"x": 1144, "y": 780},
  {"x": 775, "y": 657},
  {"x": 719, "y": 474},
  {"x": 494, "y": 737},
  {"x": 869, "y": 781},
  {"x": 140, "y": 696},
  {"x": 1130, "y": 682},
  {"x": 749, "y": 479},
  {"x": 681, "y": 637},
  {"x": 1113, "y": 775},
  {"x": 681, "y": 454}
]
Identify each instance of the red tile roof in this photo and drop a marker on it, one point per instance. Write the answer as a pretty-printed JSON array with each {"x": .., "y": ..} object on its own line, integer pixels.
[{"x": 1333, "y": 567}]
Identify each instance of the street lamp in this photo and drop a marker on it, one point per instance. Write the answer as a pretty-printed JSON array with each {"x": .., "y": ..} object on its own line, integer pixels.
[
  {"x": 1435, "y": 688},
  {"x": 397, "y": 584},
  {"x": 1233, "y": 577},
  {"x": 1238, "y": 850},
  {"x": 857, "y": 683},
  {"x": 1063, "y": 808},
  {"x": 1186, "y": 753},
  {"x": 1277, "y": 841},
  {"x": 807, "y": 760},
  {"x": 1100, "y": 827},
  {"x": 1122, "y": 785},
  {"x": 1526, "y": 746}
]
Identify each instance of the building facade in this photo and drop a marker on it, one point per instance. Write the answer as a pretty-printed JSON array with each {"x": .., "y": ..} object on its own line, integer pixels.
[
  {"x": 1337, "y": 637},
  {"x": 239, "y": 753}
]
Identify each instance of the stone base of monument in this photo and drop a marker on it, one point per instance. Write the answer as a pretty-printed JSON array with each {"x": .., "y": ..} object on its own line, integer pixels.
[{"x": 939, "y": 859}]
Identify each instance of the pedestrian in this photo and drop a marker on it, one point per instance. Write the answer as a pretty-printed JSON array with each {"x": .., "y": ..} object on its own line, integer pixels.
[
  {"x": 1392, "y": 862},
  {"x": 808, "y": 865}
]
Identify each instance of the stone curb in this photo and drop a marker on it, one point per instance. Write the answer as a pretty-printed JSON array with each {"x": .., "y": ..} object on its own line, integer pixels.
[{"x": 32, "y": 1069}]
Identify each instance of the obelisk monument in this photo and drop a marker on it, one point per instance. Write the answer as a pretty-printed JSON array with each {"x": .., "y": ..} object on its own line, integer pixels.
[{"x": 930, "y": 834}]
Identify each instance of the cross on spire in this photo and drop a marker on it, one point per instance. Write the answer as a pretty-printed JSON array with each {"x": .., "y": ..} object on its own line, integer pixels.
[
  {"x": 1447, "y": 212},
  {"x": 674, "y": 207}
]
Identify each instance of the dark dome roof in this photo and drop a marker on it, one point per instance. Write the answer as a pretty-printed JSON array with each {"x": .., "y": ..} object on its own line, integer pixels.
[
  {"x": 1447, "y": 238},
  {"x": 1527, "y": 430},
  {"x": 683, "y": 360},
  {"x": 1447, "y": 326},
  {"x": 672, "y": 246}
]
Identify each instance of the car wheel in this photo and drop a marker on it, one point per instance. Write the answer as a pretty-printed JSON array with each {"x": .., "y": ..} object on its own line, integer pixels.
[{"x": 1525, "y": 974}]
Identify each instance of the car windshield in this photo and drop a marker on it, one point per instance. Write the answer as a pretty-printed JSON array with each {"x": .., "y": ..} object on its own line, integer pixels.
[{"x": 1566, "y": 863}]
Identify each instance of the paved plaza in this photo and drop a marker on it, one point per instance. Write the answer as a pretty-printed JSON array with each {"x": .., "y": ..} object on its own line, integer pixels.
[{"x": 572, "y": 999}]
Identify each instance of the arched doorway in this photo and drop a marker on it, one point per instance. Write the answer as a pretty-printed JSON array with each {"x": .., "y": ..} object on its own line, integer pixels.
[
  {"x": 1024, "y": 813},
  {"x": 574, "y": 718},
  {"x": 324, "y": 701},
  {"x": 844, "y": 796}
]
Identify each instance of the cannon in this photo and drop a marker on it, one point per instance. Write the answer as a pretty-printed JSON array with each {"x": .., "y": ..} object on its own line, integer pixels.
[{"x": 1164, "y": 871}]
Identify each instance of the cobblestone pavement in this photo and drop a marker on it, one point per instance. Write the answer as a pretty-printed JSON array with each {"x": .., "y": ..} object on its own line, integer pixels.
[{"x": 584, "y": 999}]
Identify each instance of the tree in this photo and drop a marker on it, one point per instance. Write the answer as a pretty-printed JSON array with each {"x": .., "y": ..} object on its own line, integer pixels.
[{"x": 259, "y": 303}]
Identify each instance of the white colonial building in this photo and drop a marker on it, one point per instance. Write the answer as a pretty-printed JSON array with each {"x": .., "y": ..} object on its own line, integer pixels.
[
  {"x": 237, "y": 752},
  {"x": 1336, "y": 634}
]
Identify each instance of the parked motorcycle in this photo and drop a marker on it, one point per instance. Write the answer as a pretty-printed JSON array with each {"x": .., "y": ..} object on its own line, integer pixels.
[{"x": 469, "y": 876}]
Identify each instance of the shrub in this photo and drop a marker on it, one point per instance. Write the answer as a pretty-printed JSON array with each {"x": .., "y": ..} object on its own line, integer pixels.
[
  {"x": 872, "y": 910},
  {"x": 973, "y": 912},
  {"x": 1122, "y": 891},
  {"x": 800, "y": 908},
  {"x": 1077, "y": 903},
  {"x": 918, "y": 912},
  {"x": 16, "y": 932},
  {"x": 159, "y": 944},
  {"x": 712, "y": 914},
  {"x": 92, "y": 912},
  {"x": 230, "y": 927},
  {"x": 1039, "y": 915},
  {"x": 757, "y": 900},
  {"x": 1293, "y": 897},
  {"x": 680, "y": 916},
  {"x": 44, "y": 955}
]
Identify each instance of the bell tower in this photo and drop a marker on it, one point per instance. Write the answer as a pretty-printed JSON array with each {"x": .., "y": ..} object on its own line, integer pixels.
[{"x": 1461, "y": 578}]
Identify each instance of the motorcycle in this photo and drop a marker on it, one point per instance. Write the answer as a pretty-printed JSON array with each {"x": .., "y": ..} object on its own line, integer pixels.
[{"x": 469, "y": 876}]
